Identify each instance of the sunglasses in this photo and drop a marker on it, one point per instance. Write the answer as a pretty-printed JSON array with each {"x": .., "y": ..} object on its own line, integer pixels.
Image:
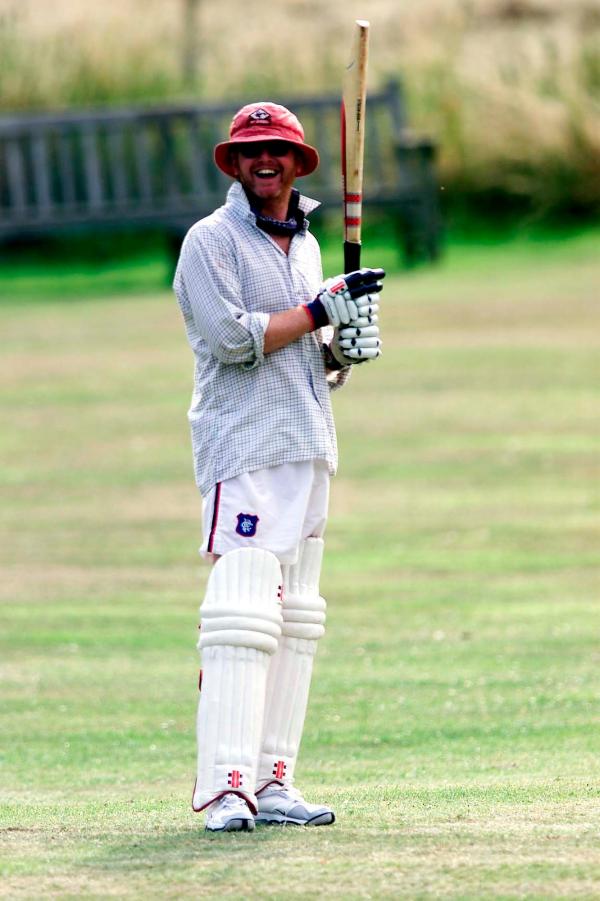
[{"x": 252, "y": 151}]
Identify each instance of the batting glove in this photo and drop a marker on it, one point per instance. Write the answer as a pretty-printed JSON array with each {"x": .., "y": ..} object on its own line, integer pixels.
[
  {"x": 339, "y": 300},
  {"x": 368, "y": 308},
  {"x": 355, "y": 344}
]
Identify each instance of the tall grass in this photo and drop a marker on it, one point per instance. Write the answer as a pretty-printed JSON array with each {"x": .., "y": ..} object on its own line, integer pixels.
[{"x": 510, "y": 88}]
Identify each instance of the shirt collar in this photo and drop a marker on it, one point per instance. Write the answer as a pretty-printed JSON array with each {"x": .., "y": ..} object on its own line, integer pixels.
[{"x": 238, "y": 202}]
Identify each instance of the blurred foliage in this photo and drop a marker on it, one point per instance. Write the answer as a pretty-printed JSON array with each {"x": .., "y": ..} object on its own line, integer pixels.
[{"x": 509, "y": 88}]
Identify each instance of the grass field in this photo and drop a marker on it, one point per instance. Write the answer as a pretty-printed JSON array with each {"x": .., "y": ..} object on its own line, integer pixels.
[{"x": 454, "y": 717}]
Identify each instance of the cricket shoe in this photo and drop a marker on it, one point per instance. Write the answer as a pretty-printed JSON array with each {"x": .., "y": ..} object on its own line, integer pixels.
[
  {"x": 230, "y": 813},
  {"x": 285, "y": 806}
]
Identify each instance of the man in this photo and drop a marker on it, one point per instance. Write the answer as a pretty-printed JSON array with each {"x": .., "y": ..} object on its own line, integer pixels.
[{"x": 249, "y": 284}]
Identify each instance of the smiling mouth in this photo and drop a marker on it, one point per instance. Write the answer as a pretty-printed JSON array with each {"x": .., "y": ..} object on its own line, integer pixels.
[{"x": 266, "y": 172}]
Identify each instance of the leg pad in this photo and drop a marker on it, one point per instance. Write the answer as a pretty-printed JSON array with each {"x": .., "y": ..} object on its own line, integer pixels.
[
  {"x": 241, "y": 624},
  {"x": 291, "y": 668}
]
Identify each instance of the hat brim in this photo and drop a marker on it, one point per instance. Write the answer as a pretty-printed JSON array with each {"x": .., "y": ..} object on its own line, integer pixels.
[{"x": 307, "y": 154}]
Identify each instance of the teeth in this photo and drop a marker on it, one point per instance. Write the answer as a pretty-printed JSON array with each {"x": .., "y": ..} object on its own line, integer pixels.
[{"x": 266, "y": 172}]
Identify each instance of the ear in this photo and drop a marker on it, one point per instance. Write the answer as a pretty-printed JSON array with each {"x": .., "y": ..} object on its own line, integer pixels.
[
  {"x": 299, "y": 163},
  {"x": 233, "y": 159}
]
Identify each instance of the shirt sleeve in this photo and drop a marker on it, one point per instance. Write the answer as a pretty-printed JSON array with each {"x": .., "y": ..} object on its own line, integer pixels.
[{"x": 207, "y": 282}]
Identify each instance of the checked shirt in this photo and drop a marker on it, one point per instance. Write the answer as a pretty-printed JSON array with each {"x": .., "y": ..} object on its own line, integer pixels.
[{"x": 252, "y": 410}]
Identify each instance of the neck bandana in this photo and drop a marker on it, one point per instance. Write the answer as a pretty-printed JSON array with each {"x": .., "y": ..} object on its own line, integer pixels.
[{"x": 285, "y": 227}]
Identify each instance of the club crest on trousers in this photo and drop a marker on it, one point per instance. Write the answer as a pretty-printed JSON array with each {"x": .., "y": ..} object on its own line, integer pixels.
[{"x": 246, "y": 525}]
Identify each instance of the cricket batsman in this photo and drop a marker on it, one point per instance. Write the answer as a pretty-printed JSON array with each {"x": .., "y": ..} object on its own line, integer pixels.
[{"x": 271, "y": 339}]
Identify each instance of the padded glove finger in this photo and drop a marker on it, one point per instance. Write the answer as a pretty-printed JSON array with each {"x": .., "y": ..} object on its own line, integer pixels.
[
  {"x": 368, "y": 344},
  {"x": 363, "y": 321},
  {"x": 354, "y": 333},
  {"x": 366, "y": 314},
  {"x": 341, "y": 308},
  {"x": 352, "y": 345},
  {"x": 349, "y": 343},
  {"x": 362, "y": 354},
  {"x": 368, "y": 302},
  {"x": 364, "y": 281}
]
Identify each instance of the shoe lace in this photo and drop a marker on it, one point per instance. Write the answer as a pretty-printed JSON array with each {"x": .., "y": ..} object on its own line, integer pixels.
[
  {"x": 291, "y": 793},
  {"x": 230, "y": 800}
]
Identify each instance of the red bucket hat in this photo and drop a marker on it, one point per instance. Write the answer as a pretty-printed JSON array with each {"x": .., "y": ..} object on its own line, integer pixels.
[{"x": 266, "y": 122}]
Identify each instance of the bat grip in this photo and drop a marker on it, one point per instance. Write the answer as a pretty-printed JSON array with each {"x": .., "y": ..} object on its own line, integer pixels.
[{"x": 351, "y": 256}]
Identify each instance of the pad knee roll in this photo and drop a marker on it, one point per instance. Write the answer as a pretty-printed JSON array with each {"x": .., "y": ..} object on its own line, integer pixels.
[
  {"x": 242, "y": 606},
  {"x": 303, "y": 607}
]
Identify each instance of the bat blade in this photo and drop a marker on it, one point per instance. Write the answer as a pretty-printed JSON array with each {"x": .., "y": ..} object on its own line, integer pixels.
[{"x": 353, "y": 141}]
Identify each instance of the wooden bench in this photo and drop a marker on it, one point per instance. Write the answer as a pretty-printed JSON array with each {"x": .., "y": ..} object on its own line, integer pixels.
[{"x": 153, "y": 166}]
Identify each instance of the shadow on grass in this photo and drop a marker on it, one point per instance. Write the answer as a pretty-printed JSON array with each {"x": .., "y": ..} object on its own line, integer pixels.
[{"x": 178, "y": 846}]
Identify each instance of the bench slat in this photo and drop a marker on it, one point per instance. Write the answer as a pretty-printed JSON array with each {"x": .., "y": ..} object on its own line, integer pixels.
[
  {"x": 321, "y": 129},
  {"x": 141, "y": 144},
  {"x": 66, "y": 168},
  {"x": 41, "y": 180},
  {"x": 116, "y": 163},
  {"x": 197, "y": 157},
  {"x": 169, "y": 171},
  {"x": 91, "y": 165},
  {"x": 15, "y": 167}
]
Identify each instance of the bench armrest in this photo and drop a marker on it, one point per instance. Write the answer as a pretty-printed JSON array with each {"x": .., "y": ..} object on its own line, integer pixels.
[{"x": 412, "y": 144}]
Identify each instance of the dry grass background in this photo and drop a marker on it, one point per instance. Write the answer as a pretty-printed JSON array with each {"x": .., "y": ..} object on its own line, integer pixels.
[{"x": 511, "y": 88}]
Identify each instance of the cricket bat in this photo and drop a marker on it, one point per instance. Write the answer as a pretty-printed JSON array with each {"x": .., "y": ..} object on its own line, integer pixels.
[{"x": 354, "y": 99}]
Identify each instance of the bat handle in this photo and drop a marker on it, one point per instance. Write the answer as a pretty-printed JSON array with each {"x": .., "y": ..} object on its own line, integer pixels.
[{"x": 351, "y": 256}]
